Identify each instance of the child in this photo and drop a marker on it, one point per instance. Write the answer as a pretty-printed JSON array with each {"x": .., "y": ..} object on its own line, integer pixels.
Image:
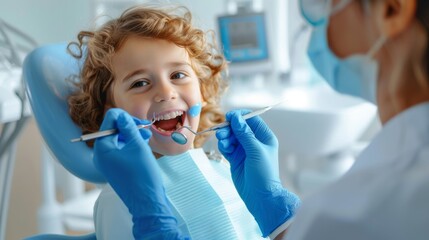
[{"x": 154, "y": 63}]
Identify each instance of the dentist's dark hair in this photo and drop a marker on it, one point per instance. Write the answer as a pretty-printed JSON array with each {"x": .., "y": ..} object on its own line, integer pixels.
[{"x": 422, "y": 14}]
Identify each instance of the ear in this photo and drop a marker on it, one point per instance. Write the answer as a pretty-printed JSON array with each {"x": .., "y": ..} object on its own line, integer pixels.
[{"x": 396, "y": 17}]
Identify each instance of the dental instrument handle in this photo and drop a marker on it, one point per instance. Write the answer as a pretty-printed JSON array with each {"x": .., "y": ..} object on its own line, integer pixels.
[
  {"x": 245, "y": 117},
  {"x": 104, "y": 133}
]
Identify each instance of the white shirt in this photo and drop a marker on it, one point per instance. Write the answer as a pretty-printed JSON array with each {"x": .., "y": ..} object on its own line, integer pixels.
[{"x": 385, "y": 195}]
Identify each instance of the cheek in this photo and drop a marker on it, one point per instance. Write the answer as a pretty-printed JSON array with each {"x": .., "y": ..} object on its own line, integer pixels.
[
  {"x": 133, "y": 105},
  {"x": 138, "y": 111},
  {"x": 347, "y": 30},
  {"x": 196, "y": 93}
]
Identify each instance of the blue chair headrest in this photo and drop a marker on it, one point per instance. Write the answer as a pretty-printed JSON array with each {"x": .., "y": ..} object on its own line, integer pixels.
[{"x": 47, "y": 73}]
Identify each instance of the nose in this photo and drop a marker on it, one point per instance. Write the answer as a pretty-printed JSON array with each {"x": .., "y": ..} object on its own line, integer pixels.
[{"x": 165, "y": 91}]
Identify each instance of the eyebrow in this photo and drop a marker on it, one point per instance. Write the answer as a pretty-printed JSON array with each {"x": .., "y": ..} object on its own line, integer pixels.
[{"x": 143, "y": 70}]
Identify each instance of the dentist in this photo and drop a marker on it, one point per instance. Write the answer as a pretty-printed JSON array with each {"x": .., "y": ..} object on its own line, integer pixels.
[{"x": 374, "y": 49}]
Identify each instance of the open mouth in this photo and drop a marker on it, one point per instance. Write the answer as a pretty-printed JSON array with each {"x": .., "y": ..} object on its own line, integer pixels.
[{"x": 169, "y": 122}]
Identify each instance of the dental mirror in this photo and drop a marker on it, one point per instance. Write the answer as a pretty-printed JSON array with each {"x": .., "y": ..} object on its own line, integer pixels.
[{"x": 179, "y": 138}]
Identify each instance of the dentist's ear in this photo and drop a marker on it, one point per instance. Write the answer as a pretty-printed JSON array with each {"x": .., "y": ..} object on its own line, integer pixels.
[{"x": 397, "y": 16}]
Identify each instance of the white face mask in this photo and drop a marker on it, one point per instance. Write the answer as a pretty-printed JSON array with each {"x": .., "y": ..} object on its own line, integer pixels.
[{"x": 355, "y": 75}]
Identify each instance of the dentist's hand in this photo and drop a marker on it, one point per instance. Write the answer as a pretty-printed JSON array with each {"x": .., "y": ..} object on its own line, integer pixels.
[
  {"x": 129, "y": 166},
  {"x": 252, "y": 150}
]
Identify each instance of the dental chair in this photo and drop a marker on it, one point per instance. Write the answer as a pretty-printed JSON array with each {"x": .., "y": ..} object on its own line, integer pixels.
[{"x": 48, "y": 73}]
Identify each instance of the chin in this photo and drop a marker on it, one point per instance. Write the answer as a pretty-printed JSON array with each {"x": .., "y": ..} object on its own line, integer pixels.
[{"x": 169, "y": 149}]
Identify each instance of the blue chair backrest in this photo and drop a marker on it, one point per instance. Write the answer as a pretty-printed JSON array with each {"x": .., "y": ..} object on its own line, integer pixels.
[{"x": 47, "y": 73}]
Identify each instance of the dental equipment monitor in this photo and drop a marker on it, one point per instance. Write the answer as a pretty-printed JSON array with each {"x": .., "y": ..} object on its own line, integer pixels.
[{"x": 244, "y": 37}]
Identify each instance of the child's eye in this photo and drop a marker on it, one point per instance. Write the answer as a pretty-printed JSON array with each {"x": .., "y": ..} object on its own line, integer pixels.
[
  {"x": 178, "y": 75},
  {"x": 139, "y": 83}
]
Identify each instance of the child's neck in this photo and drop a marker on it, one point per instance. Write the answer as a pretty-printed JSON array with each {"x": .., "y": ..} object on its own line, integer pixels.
[{"x": 157, "y": 155}]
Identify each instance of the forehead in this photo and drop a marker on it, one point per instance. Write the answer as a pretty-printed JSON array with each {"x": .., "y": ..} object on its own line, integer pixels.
[{"x": 149, "y": 50}]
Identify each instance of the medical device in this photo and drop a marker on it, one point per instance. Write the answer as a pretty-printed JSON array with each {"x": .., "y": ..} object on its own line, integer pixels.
[
  {"x": 14, "y": 112},
  {"x": 244, "y": 37},
  {"x": 254, "y": 39},
  {"x": 181, "y": 139},
  {"x": 104, "y": 133}
]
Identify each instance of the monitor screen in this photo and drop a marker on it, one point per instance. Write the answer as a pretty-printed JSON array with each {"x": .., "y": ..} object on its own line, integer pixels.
[{"x": 244, "y": 37}]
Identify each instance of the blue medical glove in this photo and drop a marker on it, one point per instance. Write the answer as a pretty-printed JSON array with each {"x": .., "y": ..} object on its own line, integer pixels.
[
  {"x": 252, "y": 150},
  {"x": 129, "y": 166}
]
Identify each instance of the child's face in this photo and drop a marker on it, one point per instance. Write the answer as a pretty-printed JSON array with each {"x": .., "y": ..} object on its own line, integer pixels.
[{"x": 155, "y": 77}]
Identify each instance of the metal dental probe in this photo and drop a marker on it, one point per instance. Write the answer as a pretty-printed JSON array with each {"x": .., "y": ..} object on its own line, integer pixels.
[{"x": 181, "y": 138}]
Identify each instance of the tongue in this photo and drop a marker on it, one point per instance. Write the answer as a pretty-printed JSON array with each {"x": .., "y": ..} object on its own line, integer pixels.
[{"x": 168, "y": 125}]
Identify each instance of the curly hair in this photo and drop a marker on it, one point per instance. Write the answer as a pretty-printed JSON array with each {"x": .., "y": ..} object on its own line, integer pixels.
[{"x": 96, "y": 48}]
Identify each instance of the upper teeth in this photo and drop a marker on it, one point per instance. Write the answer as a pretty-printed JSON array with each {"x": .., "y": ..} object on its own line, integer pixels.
[{"x": 169, "y": 115}]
